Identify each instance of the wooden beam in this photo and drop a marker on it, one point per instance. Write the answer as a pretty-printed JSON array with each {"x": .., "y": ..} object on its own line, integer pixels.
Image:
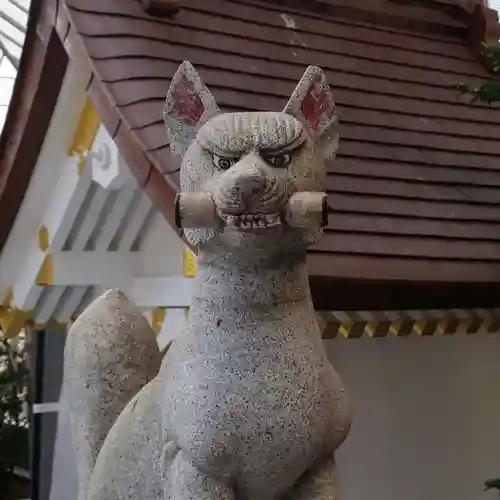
[
  {"x": 71, "y": 301},
  {"x": 57, "y": 222},
  {"x": 84, "y": 269},
  {"x": 28, "y": 232},
  {"x": 68, "y": 191},
  {"x": 31, "y": 115},
  {"x": 174, "y": 291}
]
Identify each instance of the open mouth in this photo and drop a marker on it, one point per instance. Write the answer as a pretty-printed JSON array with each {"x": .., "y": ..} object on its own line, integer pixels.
[
  {"x": 252, "y": 221},
  {"x": 303, "y": 210}
]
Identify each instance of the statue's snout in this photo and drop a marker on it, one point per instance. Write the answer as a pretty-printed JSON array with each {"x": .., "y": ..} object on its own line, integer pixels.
[{"x": 241, "y": 188}]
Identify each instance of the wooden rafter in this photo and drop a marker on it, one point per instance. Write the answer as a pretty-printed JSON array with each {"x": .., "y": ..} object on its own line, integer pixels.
[
  {"x": 12, "y": 22},
  {"x": 13, "y": 60},
  {"x": 16, "y": 25},
  {"x": 19, "y": 5},
  {"x": 11, "y": 39}
]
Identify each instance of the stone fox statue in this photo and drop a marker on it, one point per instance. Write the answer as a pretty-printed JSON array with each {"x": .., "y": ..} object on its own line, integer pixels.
[{"x": 245, "y": 405}]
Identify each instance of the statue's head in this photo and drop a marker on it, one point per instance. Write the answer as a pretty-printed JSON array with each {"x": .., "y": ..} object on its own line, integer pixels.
[{"x": 252, "y": 180}]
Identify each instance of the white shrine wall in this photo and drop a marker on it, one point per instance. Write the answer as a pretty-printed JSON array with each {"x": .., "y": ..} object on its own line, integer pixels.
[
  {"x": 426, "y": 416},
  {"x": 426, "y": 419}
]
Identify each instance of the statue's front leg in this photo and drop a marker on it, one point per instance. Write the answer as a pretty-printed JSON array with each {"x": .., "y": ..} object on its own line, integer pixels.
[
  {"x": 186, "y": 482},
  {"x": 318, "y": 483}
]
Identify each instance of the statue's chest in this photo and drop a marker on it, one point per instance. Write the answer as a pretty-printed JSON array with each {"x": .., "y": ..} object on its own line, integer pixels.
[{"x": 229, "y": 407}]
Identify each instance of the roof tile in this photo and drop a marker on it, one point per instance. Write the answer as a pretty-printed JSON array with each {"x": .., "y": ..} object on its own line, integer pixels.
[{"x": 414, "y": 191}]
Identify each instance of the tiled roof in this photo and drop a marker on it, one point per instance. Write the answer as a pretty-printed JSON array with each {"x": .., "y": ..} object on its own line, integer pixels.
[{"x": 415, "y": 190}]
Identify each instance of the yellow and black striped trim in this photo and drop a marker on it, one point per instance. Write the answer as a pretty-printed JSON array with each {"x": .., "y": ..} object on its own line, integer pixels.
[
  {"x": 335, "y": 324},
  {"x": 379, "y": 324}
]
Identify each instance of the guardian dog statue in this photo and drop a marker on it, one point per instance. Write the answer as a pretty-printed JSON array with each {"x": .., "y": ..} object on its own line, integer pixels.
[{"x": 245, "y": 405}]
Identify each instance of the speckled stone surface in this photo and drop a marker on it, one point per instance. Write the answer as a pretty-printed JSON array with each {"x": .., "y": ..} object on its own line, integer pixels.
[
  {"x": 246, "y": 405},
  {"x": 111, "y": 353},
  {"x": 250, "y": 400},
  {"x": 129, "y": 465}
]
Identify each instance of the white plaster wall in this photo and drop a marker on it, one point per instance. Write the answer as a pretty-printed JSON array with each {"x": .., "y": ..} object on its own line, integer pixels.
[{"x": 427, "y": 417}]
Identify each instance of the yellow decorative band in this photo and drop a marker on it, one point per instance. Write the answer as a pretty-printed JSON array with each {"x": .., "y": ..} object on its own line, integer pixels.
[
  {"x": 190, "y": 264},
  {"x": 379, "y": 324}
]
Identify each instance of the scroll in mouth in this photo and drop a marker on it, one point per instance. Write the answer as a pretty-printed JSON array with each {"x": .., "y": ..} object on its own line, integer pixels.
[
  {"x": 252, "y": 221},
  {"x": 303, "y": 209}
]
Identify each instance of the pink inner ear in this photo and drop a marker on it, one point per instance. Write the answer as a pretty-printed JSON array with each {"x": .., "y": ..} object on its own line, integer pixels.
[
  {"x": 186, "y": 103},
  {"x": 317, "y": 105}
]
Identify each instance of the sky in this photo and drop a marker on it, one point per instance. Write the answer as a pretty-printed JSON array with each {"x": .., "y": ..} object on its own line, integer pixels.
[
  {"x": 13, "y": 20},
  {"x": 495, "y": 4}
]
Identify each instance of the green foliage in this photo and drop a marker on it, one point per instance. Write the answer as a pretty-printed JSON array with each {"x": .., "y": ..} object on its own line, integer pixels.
[
  {"x": 488, "y": 92},
  {"x": 14, "y": 377},
  {"x": 491, "y": 54},
  {"x": 492, "y": 484}
]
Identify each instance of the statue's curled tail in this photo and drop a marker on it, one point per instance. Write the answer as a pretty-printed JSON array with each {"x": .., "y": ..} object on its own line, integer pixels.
[{"x": 111, "y": 354}]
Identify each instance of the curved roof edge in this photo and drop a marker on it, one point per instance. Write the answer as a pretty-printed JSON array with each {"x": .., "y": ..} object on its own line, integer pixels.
[
  {"x": 33, "y": 18},
  {"x": 38, "y": 82}
]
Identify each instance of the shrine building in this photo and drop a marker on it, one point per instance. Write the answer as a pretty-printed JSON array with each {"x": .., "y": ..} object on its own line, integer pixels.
[{"x": 405, "y": 281}]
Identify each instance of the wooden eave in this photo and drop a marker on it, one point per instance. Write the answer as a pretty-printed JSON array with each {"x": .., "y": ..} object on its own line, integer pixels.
[
  {"x": 39, "y": 79},
  {"x": 414, "y": 193}
]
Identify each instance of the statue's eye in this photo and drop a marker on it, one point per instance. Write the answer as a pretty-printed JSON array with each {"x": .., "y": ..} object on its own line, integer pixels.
[
  {"x": 223, "y": 162},
  {"x": 279, "y": 161}
]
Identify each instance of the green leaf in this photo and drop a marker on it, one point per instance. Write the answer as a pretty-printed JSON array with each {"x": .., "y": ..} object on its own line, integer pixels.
[
  {"x": 491, "y": 484},
  {"x": 14, "y": 442}
]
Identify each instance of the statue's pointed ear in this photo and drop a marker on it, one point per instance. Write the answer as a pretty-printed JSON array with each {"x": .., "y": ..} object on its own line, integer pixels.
[
  {"x": 189, "y": 105},
  {"x": 312, "y": 103}
]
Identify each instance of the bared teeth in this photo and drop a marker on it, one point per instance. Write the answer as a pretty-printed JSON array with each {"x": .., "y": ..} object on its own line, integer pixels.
[
  {"x": 252, "y": 221},
  {"x": 231, "y": 220}
]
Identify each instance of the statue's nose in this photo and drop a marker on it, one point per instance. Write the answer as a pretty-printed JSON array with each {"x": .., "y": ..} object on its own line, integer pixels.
[
  {"x": 246, "y": 183},
  {"x": 242, "y": 186}
]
